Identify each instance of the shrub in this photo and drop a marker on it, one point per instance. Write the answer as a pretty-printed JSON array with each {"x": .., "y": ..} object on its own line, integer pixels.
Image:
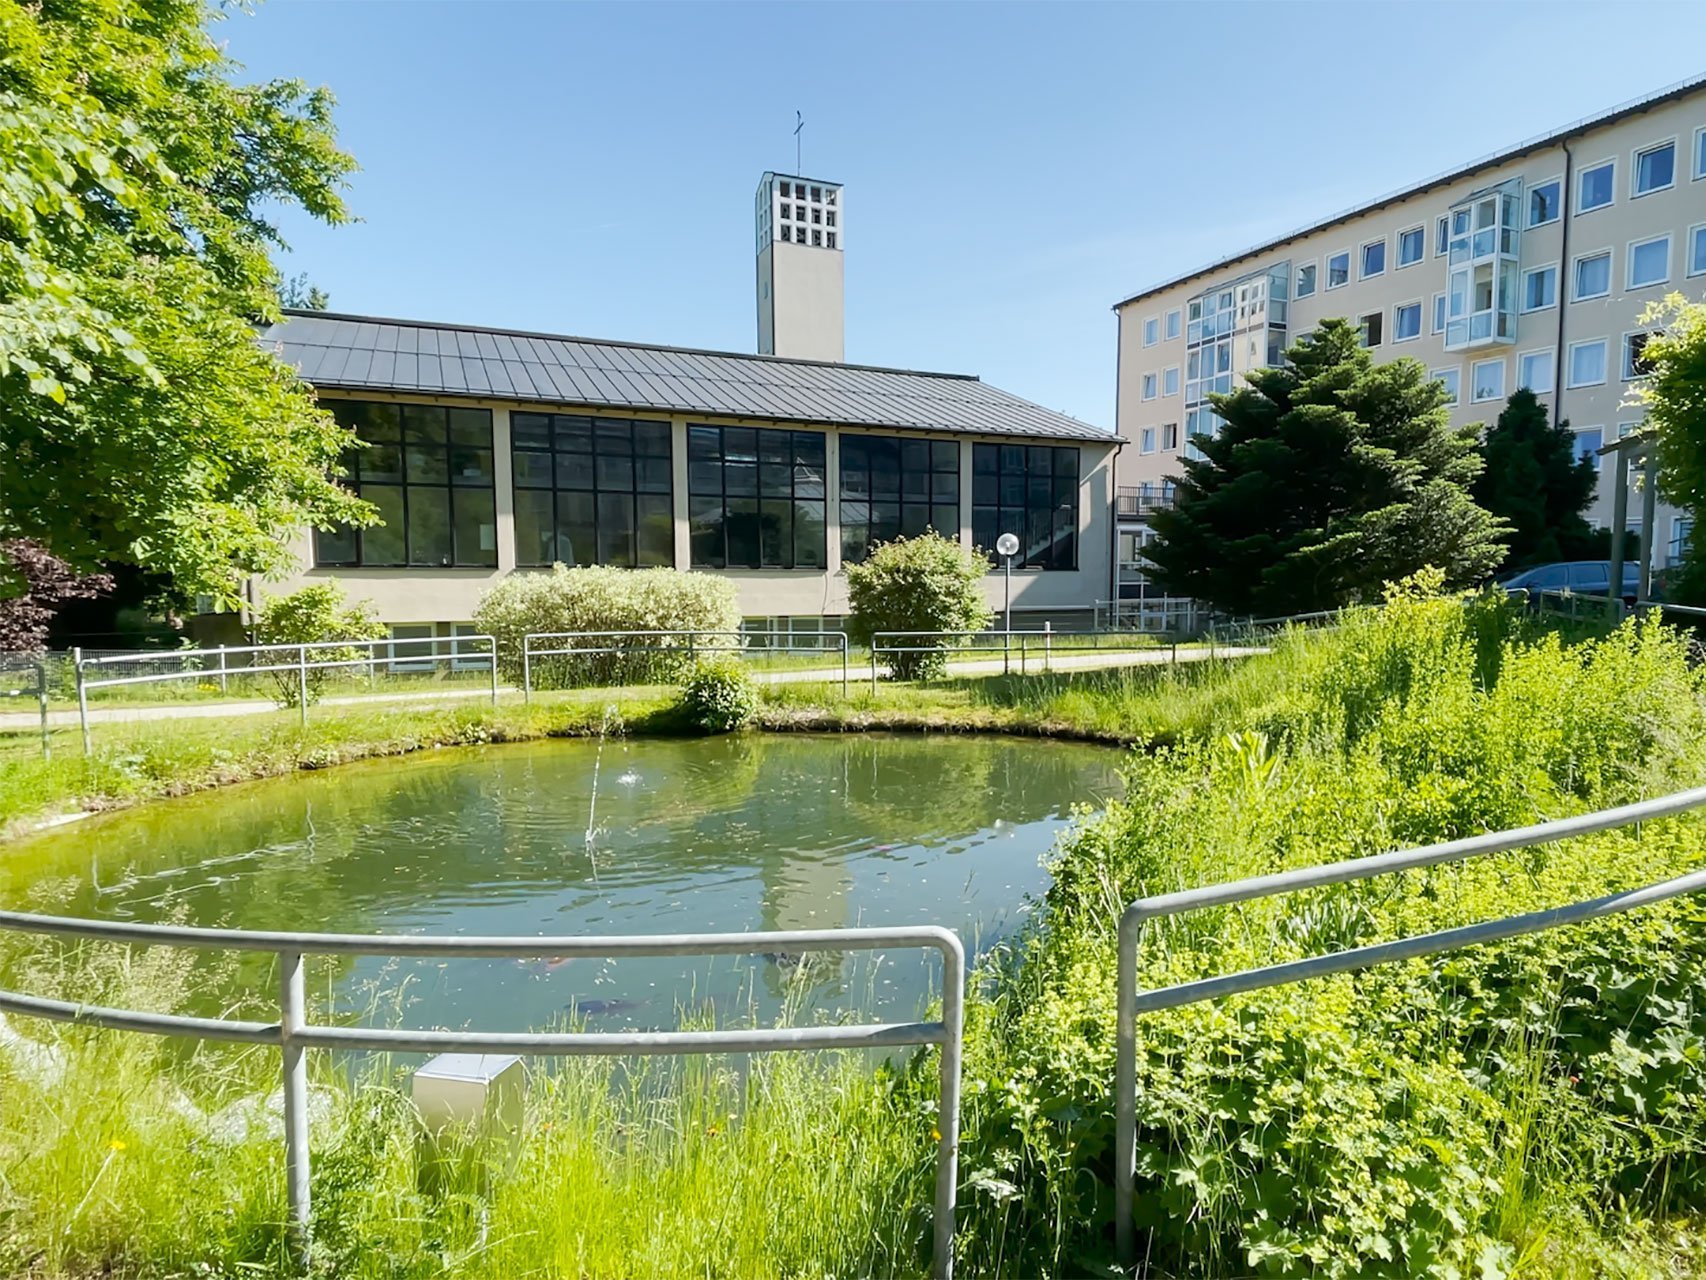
[
  {"x": 312, "y": 615},
  {"x": 603, "y": 599},
  {"x": 719, "y": 697},
  {"x": 927, "y": 583}
]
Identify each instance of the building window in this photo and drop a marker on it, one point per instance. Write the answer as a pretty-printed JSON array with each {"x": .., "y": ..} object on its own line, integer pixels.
[
  {"x": 1655, "y": 168},
  {"x": 1595, "y": 189},
  {"x": 1593, "y": 275},
  {"x": 1452, "y": 381},
  {"x": 1370, "y": 325},
  {"x": 1587, "y": 363},
  {"x": 1442, "y": 235},
  {"x": 755, "y": 498},
  {"x": 1151, "y": 331},
  {"x": 1439, "y": 313},
  {"x": 428, "y": 470},
  {"x": 1697, "y": 250},
  {"x": 1170, "y": 435},
  {"x": 1305, "y": 280},
  {"x": 1030, "y": 491},
  {"x": 1406, "y": 321},
  {"x": 894, "y": 487},
  {"x": 1149, "y": 386},
  {"x": 1170, "y": 381},
  {"x": 1540, "y": 288},
  {"x": 1588, "y": 442},
  {"x": 1535, "y": 370},
  {"x": 1543, "y": 203},
  {"x": 1649, "y": 262},
  {"x": 1373, "y": 258},
  {"x": 829, "y": 240},
  {"x": 1412, "y": 245},
  {"x": 1487, "y": 380},
  {"x": 1172, "y": 327},
  {"x": 1681, "y": 534},
  {"x": 1146, "y": 442},
  {"x": 1338, "y": 269},
  {"x": 817, "y": 238},
  {"x": 592, "y": 491},
  {"x": 1635, "y": 362}
]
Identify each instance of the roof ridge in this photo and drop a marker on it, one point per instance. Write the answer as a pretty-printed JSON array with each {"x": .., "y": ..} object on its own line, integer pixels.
[{"x": 355, "y": 318}]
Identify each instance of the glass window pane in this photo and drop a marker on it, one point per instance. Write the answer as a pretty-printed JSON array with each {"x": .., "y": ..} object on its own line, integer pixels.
[
  {"x": 530, "y": 430},
  {"x": 423, "y": 424},
  {"x": 334, "y": 546},
  {"x": 985, "y": 459},
  {"x": 574, "y": 471},
  {"x": 576, "y": 536},
  {"x": 652, "y": 475},
  {"x": 945, "y": 520},
  {"x": 809, "y": 547},
  {"x": 741, "y": 524},
  {"x": 471, "y": 467},
  {"x": 471, "y": 427},
  {"x": 535, "y": 531},
  {"x": 426, "y": 465},
  {"x": 616, "y": 529},
  {"x": 654, "y": 531},
  {"x": 652, "y": 439},
  {"x": 572, "y": 434},
  {"x": 476, "y": 532},
  {"x": 705, "y": 532},
  {"x": 369, "y": 421},
  {"x": 615, "y": 471},
  {"x": 945, "y": 456},
  {"x": 429, "y": 526},
  {"x": 704, "y": 443},
  {"x": 380, "y": 462},
  {"x": 383, "y": 543}
]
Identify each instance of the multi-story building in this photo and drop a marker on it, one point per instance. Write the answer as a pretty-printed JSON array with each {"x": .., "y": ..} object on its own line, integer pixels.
[
  {"x": 801, "y": 226},
  {"x": 1527, "y": 268}
]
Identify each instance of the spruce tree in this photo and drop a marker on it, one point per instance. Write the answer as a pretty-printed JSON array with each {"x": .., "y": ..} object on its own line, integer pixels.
[
  {"x": 1332, "y": 476},
  {"x": 1533, "y": 481}
]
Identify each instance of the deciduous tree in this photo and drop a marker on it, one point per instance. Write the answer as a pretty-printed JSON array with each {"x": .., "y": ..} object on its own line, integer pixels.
[
  {"x": 1674, "y": 394},
  {"x": 1332, "y": 476},
  {"x": 140, "y": 422}
]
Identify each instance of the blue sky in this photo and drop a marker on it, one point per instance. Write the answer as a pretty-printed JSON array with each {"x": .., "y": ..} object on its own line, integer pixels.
[{"x": 1011, "y": 170}]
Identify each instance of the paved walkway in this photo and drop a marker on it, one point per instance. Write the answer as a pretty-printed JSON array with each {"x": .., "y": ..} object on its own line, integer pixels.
[{"x": 857, "y": 672}]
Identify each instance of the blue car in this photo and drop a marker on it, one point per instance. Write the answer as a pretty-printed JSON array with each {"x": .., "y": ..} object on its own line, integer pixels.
[{"x": 1583, "y": 577}]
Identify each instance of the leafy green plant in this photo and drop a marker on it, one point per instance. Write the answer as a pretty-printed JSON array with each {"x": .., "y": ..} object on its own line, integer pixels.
[
  {"x": 313, "y": 615},
  {"x": 1675, "y": 359},
  {"x": 927, "y": 583},
  {"x": 605, "y": 599},
  {"x": 719, "y": 696}
]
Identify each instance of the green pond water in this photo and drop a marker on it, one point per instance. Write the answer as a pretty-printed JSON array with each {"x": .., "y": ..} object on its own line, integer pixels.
[{"x": 555, "y": 838}]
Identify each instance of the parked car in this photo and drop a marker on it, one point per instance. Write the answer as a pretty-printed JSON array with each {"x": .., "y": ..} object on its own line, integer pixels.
[{"x": 1583, "y": 577}]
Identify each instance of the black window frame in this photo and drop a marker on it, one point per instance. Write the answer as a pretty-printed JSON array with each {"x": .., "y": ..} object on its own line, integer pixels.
[
  {"x": 883, "y": 471},
  {"x": 400, "y": 438},
  {"x": 632, "y": 447},
  {"x": 1010, "y": 493},
  {"x": 719, "y": 490}
]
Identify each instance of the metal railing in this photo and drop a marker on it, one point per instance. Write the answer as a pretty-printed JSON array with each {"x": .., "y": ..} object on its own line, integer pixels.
[
  {"x": 1131, "y": 1002},
  {"x": 1044, "y": 645},
  {"x": 38, "y": 668},
  {"x": 685, "y": 645},
  {"x": 293, "y": 1034},
  {"x": 399, "y": 653}
]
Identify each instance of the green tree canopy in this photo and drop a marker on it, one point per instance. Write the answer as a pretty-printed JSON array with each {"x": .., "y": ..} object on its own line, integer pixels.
[
  {"x": 139, "y": 420},
  {"x": 1674, "y": 393},
  {"x": 1533, "y": 481},
  {"x": 1332, "y": 476}
]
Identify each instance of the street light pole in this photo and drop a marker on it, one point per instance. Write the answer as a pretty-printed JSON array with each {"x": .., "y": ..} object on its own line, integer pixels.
[{"x": 1007, "y": 546}]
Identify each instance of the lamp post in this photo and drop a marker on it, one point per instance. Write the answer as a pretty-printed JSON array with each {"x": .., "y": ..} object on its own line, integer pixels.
[{"x": 1007, "y": 546}]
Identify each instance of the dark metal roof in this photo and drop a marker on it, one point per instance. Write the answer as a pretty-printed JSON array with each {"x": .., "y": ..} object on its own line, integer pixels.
[
  {"x": 365, "y": 353},
  {"x": 1681, "y": 89}
]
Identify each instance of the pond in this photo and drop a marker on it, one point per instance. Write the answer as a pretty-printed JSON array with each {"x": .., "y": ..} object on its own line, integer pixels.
[{"x": 631, "y": 836}]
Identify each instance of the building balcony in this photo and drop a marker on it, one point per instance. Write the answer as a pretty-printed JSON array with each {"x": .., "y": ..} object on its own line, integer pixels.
[{"x": 1136, "y": 502}]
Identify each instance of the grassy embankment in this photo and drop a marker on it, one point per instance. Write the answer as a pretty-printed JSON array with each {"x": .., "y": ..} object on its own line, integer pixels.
[{"x": 1531, "y": 1108}]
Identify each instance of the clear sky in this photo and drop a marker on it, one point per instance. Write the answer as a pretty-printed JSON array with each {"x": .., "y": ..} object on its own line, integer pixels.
[{"x": 1011, "y": 170}]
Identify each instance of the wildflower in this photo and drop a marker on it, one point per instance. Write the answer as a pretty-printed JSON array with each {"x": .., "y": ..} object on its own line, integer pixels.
[
  {"x": 118, "y": 1144},
  {"x": 712, "y": 1132},
  {"x": 935, "y": 1133}
]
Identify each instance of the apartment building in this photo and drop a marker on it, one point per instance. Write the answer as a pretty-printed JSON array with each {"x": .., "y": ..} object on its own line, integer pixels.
[{"x": 1527, "y": 268}]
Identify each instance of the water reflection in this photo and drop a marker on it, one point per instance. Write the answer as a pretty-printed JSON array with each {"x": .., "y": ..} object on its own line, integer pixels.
[{"x": 567, "y": 838}]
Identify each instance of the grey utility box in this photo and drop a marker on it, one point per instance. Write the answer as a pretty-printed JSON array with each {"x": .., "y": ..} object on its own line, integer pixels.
[{"x": 470, "y": 1106}]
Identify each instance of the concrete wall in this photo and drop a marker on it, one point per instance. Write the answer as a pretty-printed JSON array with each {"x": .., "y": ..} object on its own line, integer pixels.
[
  {"x": 444, "y": 596},
  {"x": 1628, "y": 219},
  {"x": 807, "y": 305}
]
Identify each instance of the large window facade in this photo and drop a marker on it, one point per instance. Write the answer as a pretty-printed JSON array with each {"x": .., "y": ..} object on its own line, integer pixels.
[
  {"x": 756, "y": 498},
  {"x": 592, "y": 491},
  {"x": 892, "y": 488},
  {"x": 428, "y": 471},
  {"x": 1030, "y": 491}
]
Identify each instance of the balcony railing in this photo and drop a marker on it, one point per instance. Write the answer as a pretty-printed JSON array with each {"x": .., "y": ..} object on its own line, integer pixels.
[{"x": 1134, "y": 502}]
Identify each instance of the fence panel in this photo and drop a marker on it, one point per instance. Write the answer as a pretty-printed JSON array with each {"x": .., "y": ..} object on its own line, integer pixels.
[
  {"x": 1130, "y": 1002},
  {"x": 571, "y": 659}
]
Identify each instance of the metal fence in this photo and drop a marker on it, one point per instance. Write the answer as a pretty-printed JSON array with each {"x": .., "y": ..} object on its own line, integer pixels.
[
  {"x": 618, "y": 657},
  {"x": 1131, "y": 1003},
  {"x": 293, "y": 1034},
  {"x": 298, "y": 665},
  {"x": 1024, "y": 649},
  {"x": 35, "y": 687}
]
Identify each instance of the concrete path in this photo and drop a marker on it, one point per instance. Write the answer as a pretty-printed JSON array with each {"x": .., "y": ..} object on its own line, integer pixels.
[{"x": 858, "y": 672}]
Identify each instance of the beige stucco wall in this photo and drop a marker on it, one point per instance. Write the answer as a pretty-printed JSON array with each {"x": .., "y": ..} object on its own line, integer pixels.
[
  {"x": 402, "y": 596},
  {"x": 1626, "y": 220},
  {"x": 806, "y": 315}
]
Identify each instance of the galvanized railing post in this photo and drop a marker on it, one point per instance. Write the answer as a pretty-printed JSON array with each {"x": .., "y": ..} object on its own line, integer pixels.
[
  {"x": 492, "y": 643},
  {"x": 293, "y": 1015},
  {"x": 1048, "y": 645},
  {"x": 1125, "y": 1088},
  {"x": 526, "y": 669},
  {"x": 41, "y": 700},
  {"x": 224, "y": 687},
  {"x": 302, "y": 683},
  {"x": 82, "y": 699},
  {"x": 948, "y": 1108},
  {"x": 843, "y": 636},
  {"x": 876, "y": 639}
]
